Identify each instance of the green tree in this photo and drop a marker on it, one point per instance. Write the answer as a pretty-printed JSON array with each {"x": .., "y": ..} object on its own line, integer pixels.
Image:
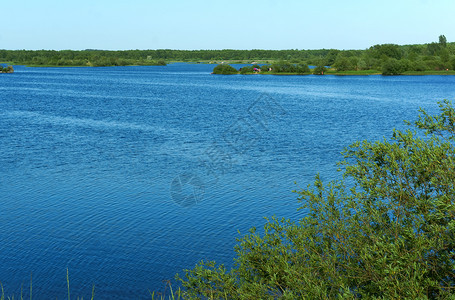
[
  {"x": 331, "y": 57},
  {"x": 354, "y": 63},
  {"x": 8, "y": 69},
  {"x": 384, "y": 231},
  {"x": 342, "y": 63},
  {"x": 443, "y": 41},
  {"x": 302, "y": 69},
  {"x": 392, "y": 67},
  {"x": 283, "y": 67},
  {"x": 386, "y": 50},
  {"x": 434, "y": 63},
  {"x": 444, "y": 55},
  {"x": 319, "y": 70},
  {"x": 433, "y": 49},
  {"x": 362, "y": 65},
  {"x": 419, "y": 65}
]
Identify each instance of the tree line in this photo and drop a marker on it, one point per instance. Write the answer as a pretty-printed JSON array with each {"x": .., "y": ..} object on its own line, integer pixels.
[
  {"x": 390, "y": 59},
  {"x": 83, "y": 56},
  {"x": 93, "y": 58},
  {"x": 393, "y": 59}
]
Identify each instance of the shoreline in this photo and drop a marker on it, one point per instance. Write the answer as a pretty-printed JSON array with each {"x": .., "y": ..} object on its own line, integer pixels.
[
  {"x": 328, "y": 72},
  {"x": 359, "y": 73}
]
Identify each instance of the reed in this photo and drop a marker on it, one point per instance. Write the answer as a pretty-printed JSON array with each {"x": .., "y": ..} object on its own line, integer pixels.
[{"x": 171, "y": 295}]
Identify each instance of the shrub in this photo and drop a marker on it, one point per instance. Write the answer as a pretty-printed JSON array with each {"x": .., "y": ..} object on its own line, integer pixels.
[
  {"x": 342, "y": 64},
  {"x": 419, "y": 65},
  {"x": 392, "y": 67},
  {"x": 319, "y": 70},
  {"x": 161, "y": 62},
  {"x": 385, "y": 231},
  {"x": 225, "y": 69},
  {"x": 452, "y": 63},
  {"x": 435, "y": 64},
  {"x": 246, "y": 70},
  {"x": 8, "y": 69},
  {"x": 283, "y": 67},
  {"x": 302, "y": 69}
]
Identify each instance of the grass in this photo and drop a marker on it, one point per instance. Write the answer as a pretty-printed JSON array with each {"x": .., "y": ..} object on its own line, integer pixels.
[
  {"x": 450, "y": 72},
  {"x": 376, "y": 72},
  {"x": 360, "y": 72},
  {"x": 217, "y": 62},
  {"x": 273, "y": 73},
  {"x": 328, "y": 72},
  {"x": 174, "y": 295},
  {"x": 54, "y": 66}
]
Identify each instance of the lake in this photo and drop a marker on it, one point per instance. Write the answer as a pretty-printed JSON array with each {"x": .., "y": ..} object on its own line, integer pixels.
[{"x": 127, "y": 175}]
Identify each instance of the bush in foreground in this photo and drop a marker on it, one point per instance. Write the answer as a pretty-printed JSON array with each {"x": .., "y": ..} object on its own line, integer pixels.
[{"x": 389, "y": 235}]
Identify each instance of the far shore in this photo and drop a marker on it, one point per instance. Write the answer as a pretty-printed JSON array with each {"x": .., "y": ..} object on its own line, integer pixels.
[{"x": 328, "y": 72}]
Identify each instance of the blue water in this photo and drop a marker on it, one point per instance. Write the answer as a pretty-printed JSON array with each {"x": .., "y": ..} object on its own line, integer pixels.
[{"x": 127, "y": 175}]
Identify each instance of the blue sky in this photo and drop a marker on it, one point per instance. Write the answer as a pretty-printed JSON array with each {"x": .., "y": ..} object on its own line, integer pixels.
[{"x": 197, "y": 24}]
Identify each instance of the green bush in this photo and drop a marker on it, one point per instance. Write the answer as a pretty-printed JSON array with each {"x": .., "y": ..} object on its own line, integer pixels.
[
  {"x": 342, "y": 64},
  {"x": 161, "y": 62},
  {"x": 286, "y": 67},
  {"x": 435, "y": 64},
  {"x": 225, "y": 69},
  {"x": 452, "y": 63},
  {"x": 246, "y": 70},
  {"x": 418, "y": 65},
  {"x": 8, "y": 69},
  {"x": 392, "y": 67},
  {"x": 385, "y": 231},
  {"x": 283, "y": 67},
  {"x": 319, "y": 70},
  {"x": 302, "y": 69}
]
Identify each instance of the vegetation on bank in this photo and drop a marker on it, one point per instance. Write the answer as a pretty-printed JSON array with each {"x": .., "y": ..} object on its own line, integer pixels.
[
  {"x": 430, "y": 59},
  {"x": 85, "y": 58},
  {"x": 280, "y": 67},
  {"x": 8, "y": 69},
  {"x": 387, "y": 58},
  {"x": 319, "y": 70},
  {"x": 119, "y": 63},
  {"x": 393, "y": 59},
  {"x": 385, "y": 231}
]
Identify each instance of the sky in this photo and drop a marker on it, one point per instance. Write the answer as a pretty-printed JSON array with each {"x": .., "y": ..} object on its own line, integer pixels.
[{"x": 233, "y": 24}]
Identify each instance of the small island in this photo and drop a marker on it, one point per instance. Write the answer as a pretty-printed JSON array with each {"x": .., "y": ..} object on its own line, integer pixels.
[
  {"x": 281, "y": 67},
  {"x": 8, "y": 69}
]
